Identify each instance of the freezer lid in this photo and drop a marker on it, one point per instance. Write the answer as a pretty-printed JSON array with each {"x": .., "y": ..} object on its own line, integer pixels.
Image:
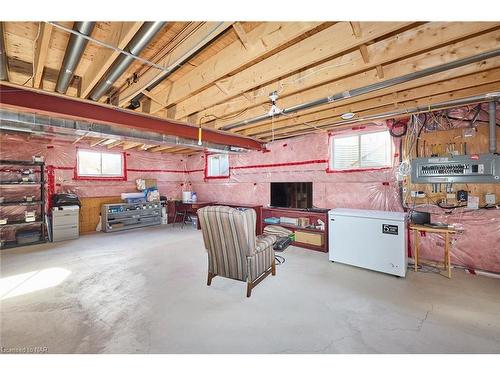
[{"x": 370, "y": 214}]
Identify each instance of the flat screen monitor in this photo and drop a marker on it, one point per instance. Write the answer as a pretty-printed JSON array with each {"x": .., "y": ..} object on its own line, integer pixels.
[{"x": 291, "y": 194}]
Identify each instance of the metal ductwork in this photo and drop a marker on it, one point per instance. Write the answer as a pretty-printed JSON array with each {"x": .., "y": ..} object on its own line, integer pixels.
[
  {"x": 334, "y": 98},
  {"x": 492, "y": 112},
  {"x": 61, "y": 128},
  {"x": 143, "y": 37},
  {"x": 73, "y": 54},
  {"x": 135, "y": 101},
  {"x": 3, "y": 57}
]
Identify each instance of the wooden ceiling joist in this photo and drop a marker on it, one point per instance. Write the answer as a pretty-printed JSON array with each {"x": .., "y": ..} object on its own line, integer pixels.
[
  {"x": 120, "y": 35},
  {"x": 114, "y": 144},
  {"x": 41, "y": 48},
  {"x": 392, "y": 49},
  {"x": 238, "y": 64},
  {"x": 452, "y": 80},
  {"x": 196, "y": 41},
  {"x": 314, "y": 49},
  {"x": 402, "y": 105},
  {"x": 97, "y": 142},
  {"x": 242, "y": 35},
  {"x": 159, "y": 148},
  {"x": 130, "y": 145},
  {"x": 267, "y": 37}
]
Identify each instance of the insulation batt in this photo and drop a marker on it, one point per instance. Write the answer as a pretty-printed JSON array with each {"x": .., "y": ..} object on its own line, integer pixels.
[{"x": 298, "y": 159}]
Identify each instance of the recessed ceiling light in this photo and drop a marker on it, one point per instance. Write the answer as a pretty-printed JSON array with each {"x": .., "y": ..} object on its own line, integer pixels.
[{"x": 347, "y": 115}]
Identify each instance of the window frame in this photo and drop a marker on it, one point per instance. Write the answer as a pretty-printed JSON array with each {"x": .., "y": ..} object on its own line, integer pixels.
[
  {"x": 101, "y": 177},
  {"x": 331, "y": 152},
  {"x": 209, "y": 177}
]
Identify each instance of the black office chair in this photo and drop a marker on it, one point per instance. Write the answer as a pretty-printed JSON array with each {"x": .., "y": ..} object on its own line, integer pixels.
[{"x": 182, "y": 210}]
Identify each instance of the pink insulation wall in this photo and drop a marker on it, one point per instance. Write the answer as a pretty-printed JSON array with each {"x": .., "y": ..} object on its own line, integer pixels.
[
  {"x": 60, "y": 157},
  {"x": 306, "y": 158},
  {"x": 299, "y": 159}
]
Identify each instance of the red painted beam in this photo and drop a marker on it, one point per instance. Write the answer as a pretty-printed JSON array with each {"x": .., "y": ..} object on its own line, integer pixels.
[{"x": 55, "y": 105}]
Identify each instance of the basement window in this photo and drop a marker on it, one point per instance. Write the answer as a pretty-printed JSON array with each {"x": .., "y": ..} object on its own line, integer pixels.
[
  {"x": 361, "y": 151},
  {"x": 217, "y": 166},
  {"x": 94, "y": 164}
]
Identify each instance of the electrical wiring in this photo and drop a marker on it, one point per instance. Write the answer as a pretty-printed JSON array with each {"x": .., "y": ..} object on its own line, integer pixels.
[
  {"x": 282, "y": 85},
  {"x": 34, "y": 47},
  {"x": 307, "y": 124},
  {"x": 223, "y": 117},
  {"x": 279, "y": 259},
  {"x": 449, "y": 207}
]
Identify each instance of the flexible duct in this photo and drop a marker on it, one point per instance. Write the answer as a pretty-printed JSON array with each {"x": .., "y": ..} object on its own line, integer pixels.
[
  {"x": 492, "y": 111},
  {"x": 370, "y": 88},
  {"x": 3, "y": 57},
  {"x": 140, "y": 40},
  {"x": 73, "y": 54}
]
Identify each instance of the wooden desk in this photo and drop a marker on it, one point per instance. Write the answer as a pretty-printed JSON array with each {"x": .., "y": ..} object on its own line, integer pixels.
[
  {"x": 445, "y": 231},
  {"x": 192, "y": 207}
]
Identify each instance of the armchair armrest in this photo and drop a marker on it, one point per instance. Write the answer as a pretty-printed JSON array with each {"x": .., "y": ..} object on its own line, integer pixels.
[
  {"x": 263, "y": 242},
  {"x": 262, "y": 258}
]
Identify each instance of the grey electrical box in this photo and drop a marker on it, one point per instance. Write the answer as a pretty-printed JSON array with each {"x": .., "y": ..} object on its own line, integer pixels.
[{"x": 478, "y": 169}]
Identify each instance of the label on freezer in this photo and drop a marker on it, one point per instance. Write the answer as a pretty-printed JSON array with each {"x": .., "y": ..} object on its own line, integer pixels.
[{"x": 390, "y": 229}]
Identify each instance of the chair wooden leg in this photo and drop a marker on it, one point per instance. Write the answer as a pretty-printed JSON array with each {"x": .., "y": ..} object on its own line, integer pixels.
[
  {"x": 273, "y": 268},
  {"x": 209, "y": 279},
  {"x": 249, "y": 289}
]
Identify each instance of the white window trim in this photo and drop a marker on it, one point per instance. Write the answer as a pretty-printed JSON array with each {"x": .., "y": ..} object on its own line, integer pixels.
[
  {"x": 332, "y": 151},
  {"x": 218, "y": 175},
  {"x": 102, "y": 175}
]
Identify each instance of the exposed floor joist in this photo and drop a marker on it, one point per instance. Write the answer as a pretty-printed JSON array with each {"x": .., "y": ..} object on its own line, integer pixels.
[{"x": 240, "y": 63}]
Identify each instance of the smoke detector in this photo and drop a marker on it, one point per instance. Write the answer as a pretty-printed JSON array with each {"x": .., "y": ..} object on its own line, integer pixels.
[{"x": 347, "y": 115}]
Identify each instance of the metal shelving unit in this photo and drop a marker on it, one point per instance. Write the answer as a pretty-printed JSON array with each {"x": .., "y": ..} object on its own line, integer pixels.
[
  {"x": 122, "y": 216},
  {"x": 8, "y": 184}
]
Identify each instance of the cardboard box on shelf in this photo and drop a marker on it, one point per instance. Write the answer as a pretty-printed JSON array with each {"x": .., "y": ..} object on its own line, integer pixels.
[
  {"x": 303, "y": 222},
  {"x": 316, "y": 239}
]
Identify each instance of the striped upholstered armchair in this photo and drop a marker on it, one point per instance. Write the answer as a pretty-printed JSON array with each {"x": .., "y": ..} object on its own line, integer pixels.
[{"x": 234, "y": 251}]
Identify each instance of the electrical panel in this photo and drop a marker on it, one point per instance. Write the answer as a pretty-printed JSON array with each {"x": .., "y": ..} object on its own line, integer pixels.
[{"x": 478, "y": 169}]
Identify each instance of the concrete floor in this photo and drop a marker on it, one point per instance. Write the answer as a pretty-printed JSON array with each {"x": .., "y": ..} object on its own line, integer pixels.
[{"x": 145, "y": 291}]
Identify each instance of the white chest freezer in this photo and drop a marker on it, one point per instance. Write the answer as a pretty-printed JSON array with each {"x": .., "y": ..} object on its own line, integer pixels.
[{"x": 376, "y": 240}]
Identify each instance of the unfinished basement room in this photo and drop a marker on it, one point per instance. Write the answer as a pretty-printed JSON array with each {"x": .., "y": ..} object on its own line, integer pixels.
[{"x": 192, "y": 185}]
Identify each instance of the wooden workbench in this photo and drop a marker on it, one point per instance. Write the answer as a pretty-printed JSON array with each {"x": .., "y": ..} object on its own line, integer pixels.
[{"x": 444, "y": 231}]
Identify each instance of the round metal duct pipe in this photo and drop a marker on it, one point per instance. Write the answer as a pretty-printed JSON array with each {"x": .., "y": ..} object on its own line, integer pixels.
[
  {"x": 73, "y": 54},
  {"x": 143, "y": 37},
  {"x": 3, "y": 57}
]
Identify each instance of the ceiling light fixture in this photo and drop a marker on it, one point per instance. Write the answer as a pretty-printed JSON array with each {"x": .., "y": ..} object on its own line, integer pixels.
[{"x": 347, "y": 115}]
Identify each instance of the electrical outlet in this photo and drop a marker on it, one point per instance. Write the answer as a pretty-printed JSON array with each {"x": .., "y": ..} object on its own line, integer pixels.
[
  {"x": 450, "y": 196},
  {"x": 490, "y": 199}
]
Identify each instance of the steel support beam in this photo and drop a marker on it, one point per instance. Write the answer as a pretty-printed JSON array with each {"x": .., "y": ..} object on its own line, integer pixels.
[{"x": 36, "y": 101}]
